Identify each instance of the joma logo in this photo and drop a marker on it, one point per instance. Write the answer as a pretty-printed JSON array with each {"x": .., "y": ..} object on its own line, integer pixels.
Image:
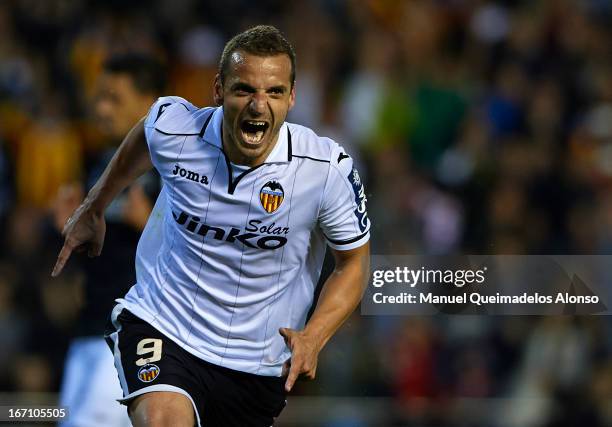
[{"x": 190, "y": 175}]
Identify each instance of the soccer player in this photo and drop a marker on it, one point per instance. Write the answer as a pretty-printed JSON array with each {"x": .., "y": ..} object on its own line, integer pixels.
[
  {"x": 215, "y": 330},
  {"x": 127, "y": 86}
]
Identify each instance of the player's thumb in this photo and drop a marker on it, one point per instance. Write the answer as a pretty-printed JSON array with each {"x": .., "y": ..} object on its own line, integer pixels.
[{"x": 286, "y": 333}]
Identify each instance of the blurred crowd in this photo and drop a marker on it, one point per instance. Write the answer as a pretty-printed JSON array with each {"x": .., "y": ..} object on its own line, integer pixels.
[{"x": 480, "y": 127}]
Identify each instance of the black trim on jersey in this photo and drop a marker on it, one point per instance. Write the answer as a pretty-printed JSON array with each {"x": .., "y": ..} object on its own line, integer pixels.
[
  {"x": 177, "y": 134},
  {"x": 289, "y": 154},
  {"x": 161, "y": 110},
  {"x": 346, "y": 242},
  {"x": 206, "y": 122},
  {"x": 231, "y": 182},
  {"x": 184, "y": 134},
  {"x": 311, "y": 158}
]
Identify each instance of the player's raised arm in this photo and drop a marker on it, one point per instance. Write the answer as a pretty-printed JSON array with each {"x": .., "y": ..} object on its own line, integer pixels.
[{"x": 85, "y": 229}]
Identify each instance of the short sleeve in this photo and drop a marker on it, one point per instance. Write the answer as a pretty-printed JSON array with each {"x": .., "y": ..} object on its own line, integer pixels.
[
  {"x": 343, "y": 217},
  {"x": 160, "y": 110},
  {"x": 162, "y": 113}
]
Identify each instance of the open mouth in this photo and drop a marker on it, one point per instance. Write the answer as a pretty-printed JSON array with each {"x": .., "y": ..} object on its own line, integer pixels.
[{"x": 253, "y": 130}]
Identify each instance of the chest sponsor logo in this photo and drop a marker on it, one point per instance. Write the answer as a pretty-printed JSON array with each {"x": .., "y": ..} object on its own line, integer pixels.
[
  {"x": 271, "y": 196},
  {"x": 255, "y": 235},
  {"x": 190, "y": 175}
]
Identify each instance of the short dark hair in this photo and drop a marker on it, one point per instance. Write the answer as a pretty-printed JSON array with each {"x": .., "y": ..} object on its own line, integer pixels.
[
  {"x": 147, "y": 73},
  {"x": 262, "y": 40}
]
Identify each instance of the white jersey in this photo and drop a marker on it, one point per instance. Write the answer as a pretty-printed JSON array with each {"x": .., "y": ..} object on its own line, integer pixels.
[{"x": 227, "y": 259}]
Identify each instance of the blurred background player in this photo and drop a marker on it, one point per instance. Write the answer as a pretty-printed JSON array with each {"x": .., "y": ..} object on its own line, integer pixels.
[{"x": 127, "y": 87}]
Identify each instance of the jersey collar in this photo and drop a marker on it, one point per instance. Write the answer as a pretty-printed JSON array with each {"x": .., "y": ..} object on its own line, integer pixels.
[{"x": 281, "y": 153}]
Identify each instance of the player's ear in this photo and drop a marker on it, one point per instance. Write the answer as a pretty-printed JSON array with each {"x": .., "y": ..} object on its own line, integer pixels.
[
  {"x": 218, "y": 90},
  {"x": 292, "y": 96}
]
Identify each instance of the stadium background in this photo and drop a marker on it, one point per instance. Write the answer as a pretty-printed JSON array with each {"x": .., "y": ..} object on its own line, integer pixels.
[{"x": 479, "y": 127}]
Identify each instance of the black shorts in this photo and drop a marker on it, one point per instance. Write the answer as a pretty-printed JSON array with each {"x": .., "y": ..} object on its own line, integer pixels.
[{"x": 148, "y": 361}]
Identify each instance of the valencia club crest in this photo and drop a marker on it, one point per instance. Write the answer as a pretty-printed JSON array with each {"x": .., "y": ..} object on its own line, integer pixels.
[
  {"x": 148, "y": 372},
  {"x": 271, "y": 196}
]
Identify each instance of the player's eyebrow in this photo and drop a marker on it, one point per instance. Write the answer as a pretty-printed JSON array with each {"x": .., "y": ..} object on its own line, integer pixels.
[
  {"x": 243, "y": 87},
  {"x": 279, "y": 88}
]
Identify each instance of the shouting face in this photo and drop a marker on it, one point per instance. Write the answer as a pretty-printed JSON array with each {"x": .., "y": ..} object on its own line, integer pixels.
[{"x": 256, "y": 96}]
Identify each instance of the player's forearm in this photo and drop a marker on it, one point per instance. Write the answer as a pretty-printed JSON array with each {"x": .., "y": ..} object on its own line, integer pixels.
[
  {"x": 130, "y": 161},
  {"x": 341, "y": 294}
]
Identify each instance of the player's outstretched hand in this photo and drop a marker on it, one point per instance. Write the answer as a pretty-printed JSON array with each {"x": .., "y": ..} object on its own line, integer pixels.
[
  {"x": 304, "y": 354},
  {"x": 84, "y": 231}
]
